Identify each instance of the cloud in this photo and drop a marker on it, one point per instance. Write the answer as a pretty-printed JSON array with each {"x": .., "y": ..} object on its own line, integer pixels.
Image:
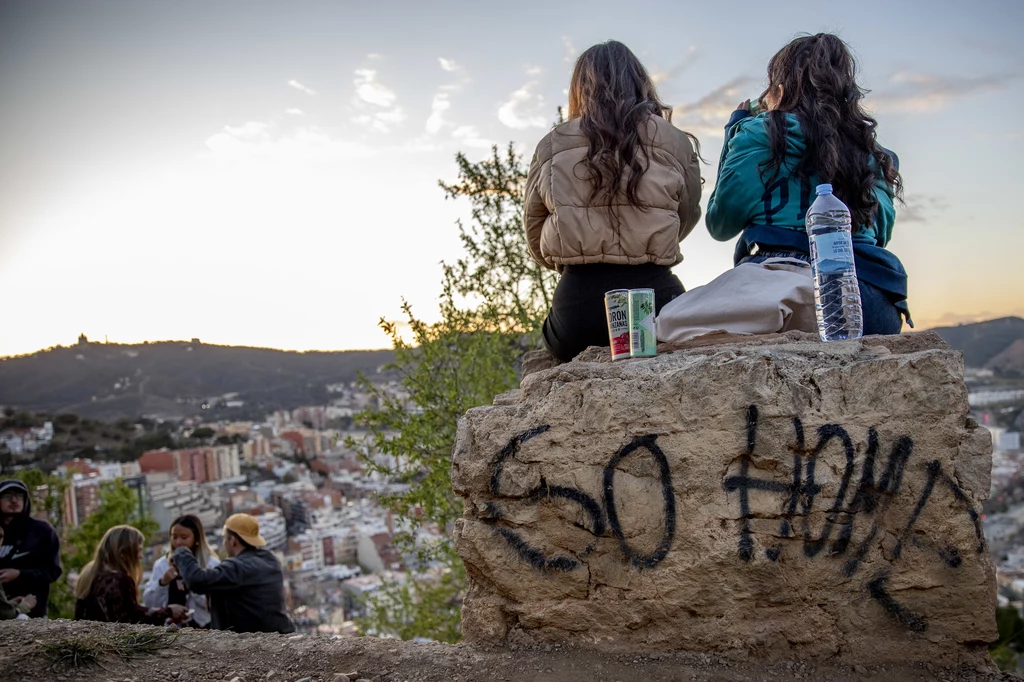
[
  {"x": 302, "y": 88},
  {"x": 381, "y": 121},
  {"x": 908, "y": 91},
  {"x": 921, "y": 208},
  {"x": 442, "y": 100},
  {"x": 570, "y": 50},
  {"x": 708, "y": 115},
  {"x": 469, "y": 137},
  {"x": 254, "y": 141},
  {"x": 247, "y": 131},
  {"x": 438, "y": 106},
  {"x": 691, "y": 55},
  {"x": 451, "y": 66},
  {"x": 371, "y": 91},
  {"x": 262, "y": 146},
  {"x": 375, "y": 102},
  {"x": 395, "y": 115},
  {"x": 534, "y": 71},
  {"x": 295, "y": 112},
  {"x": 523, "y": 109}
]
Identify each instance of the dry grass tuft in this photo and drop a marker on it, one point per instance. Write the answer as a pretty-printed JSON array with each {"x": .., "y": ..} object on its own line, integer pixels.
[{"x": 79, "y": 651}]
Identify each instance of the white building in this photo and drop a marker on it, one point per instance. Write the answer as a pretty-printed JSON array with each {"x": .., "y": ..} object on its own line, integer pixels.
[
  {"x": 273, "y": 527},
  {"x": 227, "y": 461},
  {"x": 993, "y": 396},
  {"x": 14, "y": 442},
  {"x": 170, "y": 498},
  {"x": 109, "y": 471}
]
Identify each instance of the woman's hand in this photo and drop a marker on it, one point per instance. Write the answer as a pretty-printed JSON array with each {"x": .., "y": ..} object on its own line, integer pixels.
[
  {"x": 169, "y": 576},
  {"x": 743, "y": 106},
  {"x": 28, "y": 601},
  {"x": 178, "y": 612}
]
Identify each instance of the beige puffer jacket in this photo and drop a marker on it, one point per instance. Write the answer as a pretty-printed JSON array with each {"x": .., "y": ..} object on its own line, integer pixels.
[{"x": 562, "y": 230}]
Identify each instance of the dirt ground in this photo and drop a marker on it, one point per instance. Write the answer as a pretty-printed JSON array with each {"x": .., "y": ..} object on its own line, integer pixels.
[{"x": 28, "y": 649}]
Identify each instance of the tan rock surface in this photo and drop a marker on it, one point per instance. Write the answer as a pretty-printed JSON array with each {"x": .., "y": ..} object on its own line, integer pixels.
[
  {"x": 770, "y": 497},
  {"x": 32, "y": 649}
]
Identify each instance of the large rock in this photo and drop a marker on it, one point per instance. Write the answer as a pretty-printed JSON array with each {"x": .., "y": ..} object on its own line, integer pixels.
[{"x": 768, "y": 497}]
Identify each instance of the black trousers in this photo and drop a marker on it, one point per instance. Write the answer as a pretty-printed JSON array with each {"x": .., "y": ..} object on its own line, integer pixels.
[{"x": 577, "y": 317}]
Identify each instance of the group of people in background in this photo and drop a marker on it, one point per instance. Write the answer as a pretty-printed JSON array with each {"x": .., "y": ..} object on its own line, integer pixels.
[
  {"x": 189, "y": 586},
  {"x": 612, "y": 191}
]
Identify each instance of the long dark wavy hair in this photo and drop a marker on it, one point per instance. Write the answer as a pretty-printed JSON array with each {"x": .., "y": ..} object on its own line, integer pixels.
[
  {"x": 818, "y": 78},
  {"x": 613, "y": 95}
]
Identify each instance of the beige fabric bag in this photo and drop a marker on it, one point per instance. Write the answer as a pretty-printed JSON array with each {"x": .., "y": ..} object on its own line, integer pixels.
[{"x": 753, "y": 298}]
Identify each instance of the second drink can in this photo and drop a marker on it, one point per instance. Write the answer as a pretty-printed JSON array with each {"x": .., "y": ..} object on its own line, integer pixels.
[{"x": 643, "y": 342}]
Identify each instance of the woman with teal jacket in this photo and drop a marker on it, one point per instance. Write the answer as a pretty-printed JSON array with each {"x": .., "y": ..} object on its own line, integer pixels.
[{"x": 813, "y": 131}]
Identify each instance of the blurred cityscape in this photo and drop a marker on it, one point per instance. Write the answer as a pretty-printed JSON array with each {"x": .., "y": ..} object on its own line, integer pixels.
[
  {"x": 998, "y": 405},
  {"x": 300, "y": 472}
]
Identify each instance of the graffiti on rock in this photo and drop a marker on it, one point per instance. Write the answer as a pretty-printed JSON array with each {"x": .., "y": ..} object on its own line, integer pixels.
[
  {"x": 869, "y": 497},
  {"x": 596, "y": 513}
]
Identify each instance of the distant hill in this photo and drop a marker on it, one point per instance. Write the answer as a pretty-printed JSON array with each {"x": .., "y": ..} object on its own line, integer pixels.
[
  {"x": 982, "y": 342},
  {"x": 174, "y": 378},
  {"x": 1010, "y": 362}
]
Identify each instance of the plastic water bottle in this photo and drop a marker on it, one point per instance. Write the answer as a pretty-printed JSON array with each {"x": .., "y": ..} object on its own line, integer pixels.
[{"x": 836, "y": 294}]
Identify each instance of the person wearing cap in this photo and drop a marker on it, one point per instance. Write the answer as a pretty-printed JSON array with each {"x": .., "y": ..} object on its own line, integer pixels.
[
  {"x": 30, "y": 550},
  {"x": 247, "y": 589}
]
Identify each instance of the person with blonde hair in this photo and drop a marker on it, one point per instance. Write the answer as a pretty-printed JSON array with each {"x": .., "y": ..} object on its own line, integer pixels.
[
  {"x": 610, "y": 194},
  {"x": 107, "y": 589},
  {"x": 166, "y": 586}
]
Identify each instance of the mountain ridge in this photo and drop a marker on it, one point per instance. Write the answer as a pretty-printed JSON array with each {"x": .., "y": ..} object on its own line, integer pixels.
[
  {"x": 982, "y": 342},
  {"x": 172, "y": 379}
]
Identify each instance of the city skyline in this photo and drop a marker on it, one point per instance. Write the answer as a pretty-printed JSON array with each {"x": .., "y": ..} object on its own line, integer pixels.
[{"x": 260, "y": 175}]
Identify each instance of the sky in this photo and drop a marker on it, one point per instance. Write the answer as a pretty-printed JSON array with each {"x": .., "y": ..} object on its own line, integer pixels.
[{"x": 266, "y": 173}]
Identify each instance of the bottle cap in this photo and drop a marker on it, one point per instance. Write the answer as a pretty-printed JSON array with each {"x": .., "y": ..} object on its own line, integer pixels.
[{"x": 824, "y": 189}]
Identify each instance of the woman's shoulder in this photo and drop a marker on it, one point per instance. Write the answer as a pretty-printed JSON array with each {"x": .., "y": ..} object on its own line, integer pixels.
[
  {"x": 751, "y": 135},
  {"x": 752, "y": 130},
  {"x": 664, "y": 126},
  {"x": 109, "y": 581},
  {"x": 564, "y": 136},
  {"x": 113, "y": 576},
  {"x": 663, "y": 134},
  {"x": 161, "y": 564}
]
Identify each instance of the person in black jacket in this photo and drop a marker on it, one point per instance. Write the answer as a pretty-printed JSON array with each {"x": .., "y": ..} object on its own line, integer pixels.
[
  {"x": 247, "y": 589},
  {"x": 30, "y": 553},
  {"x": 17, "y": 607}
]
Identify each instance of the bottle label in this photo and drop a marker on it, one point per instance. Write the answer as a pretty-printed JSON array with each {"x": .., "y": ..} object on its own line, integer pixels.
[{"x": 834, "y": 251}]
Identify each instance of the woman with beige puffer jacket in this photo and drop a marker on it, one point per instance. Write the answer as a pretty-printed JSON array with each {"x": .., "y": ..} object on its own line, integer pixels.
[{"x": 609, "y": 196}]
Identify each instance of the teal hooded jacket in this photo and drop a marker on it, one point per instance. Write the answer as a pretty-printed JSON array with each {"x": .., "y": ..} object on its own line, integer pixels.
[{"x": 742, "y": 199}]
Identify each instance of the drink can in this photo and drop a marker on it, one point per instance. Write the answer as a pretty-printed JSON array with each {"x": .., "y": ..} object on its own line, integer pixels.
[
  {"x": 643, "y": 343},
  {"x": 616, "y": 306}
]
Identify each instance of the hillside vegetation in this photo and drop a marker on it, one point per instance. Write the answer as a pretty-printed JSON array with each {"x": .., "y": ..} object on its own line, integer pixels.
[
  {"x": 982, "y": 342},
  {"x": 109, "y": 381}
]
